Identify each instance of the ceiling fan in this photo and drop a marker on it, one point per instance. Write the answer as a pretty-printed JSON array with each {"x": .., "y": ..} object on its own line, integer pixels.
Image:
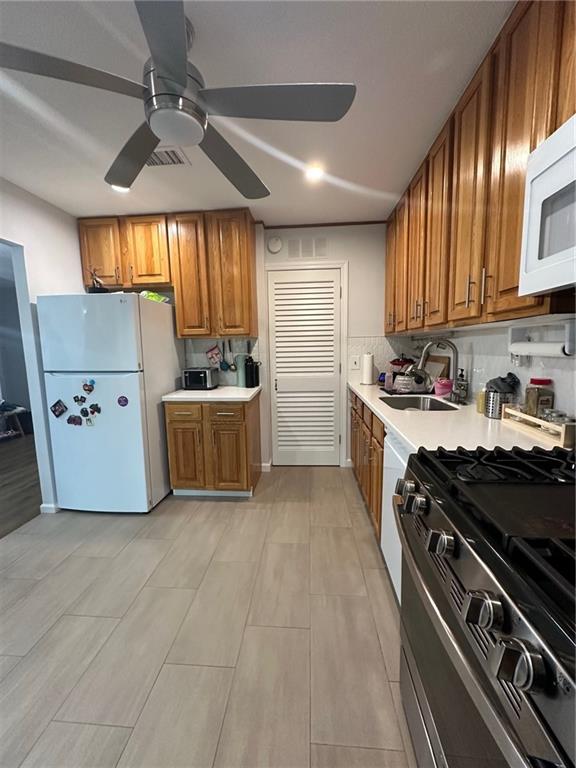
[{"x": 176, "y": 103}]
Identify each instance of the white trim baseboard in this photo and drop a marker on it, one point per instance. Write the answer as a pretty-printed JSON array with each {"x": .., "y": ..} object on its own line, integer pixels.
[
  {"x": 213, "y": 494},
  {"x": 49, "y": 509},
  {"x": 266, "y": 466}
]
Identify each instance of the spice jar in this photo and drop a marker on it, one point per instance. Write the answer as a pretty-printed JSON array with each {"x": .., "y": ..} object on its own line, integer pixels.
[{"x": 539, "y": 395}]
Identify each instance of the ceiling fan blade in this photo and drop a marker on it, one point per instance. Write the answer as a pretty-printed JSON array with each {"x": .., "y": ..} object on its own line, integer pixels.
[
  {"x": 229, "y": 162},
  {"x": 296, "y": 101},
  {"x": 24, "y": 60},
  {"x": 132, "y": 157},
  {"x": 164, "y": 25}
]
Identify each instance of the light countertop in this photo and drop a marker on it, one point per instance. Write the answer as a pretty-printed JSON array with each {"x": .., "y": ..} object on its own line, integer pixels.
[
  {"x": 430, "y": 429},
  {"x": 218, "y": 395}
]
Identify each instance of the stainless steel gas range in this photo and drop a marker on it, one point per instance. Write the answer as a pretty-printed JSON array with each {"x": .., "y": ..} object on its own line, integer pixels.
[{"x": 488, "y": 627}]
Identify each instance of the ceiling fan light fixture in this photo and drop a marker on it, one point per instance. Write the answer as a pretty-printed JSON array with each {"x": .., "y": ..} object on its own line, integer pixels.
[
  {"x": 118, "y": 188},
  {"x": 314, "y": 173},
  {"x": 180, "y": 124}
]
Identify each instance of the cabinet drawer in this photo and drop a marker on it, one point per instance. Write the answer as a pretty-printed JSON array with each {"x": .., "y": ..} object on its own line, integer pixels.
[
  {"x": 378, "y": 430},
  {"x": 184, "y": 411},
  {"x": 367, "y": 416},
  {"x": 225, "y": 412}
]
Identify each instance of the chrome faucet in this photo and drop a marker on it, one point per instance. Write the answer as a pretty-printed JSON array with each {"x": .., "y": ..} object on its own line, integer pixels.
[{"x": 456, "y": 395}]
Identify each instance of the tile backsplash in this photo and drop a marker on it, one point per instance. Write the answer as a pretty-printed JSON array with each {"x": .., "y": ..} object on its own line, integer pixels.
[
  {"x": 195, "y": 354},
  {"x": 383, "y": 348}
]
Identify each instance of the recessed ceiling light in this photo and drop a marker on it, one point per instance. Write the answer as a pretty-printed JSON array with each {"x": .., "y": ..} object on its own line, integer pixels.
[
  {"x": 116, "y": 188},
  {"x": 314, "y": 173}
]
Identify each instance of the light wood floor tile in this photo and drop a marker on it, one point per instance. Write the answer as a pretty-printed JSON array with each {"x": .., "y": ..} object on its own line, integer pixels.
[
  {"x": 7, "y": 663},
  {"x": 114, "y": 592},
  {"x": 281, "y": 595},
  {"x": 212, "y": 630},
  {"x": 72, "y": 745},
  {"x": 167, "y": 520},
  {"x": 351, "y": 489},
  {"x": 368, "y": 549},
  {"x": 328, "y": 507},
  {"x": 24, "y": 623},
  {"x": 397, "y": 697},
  {"x": 13, "y": 546},
  {"x": 325, "y": 478},
  {"x": 351, "y": 701},
  {"x": 185, "y": 564},
  {"x": 44, "y": 525},
  {"x": 334, "y": 564},
  {"x": 268, "y": 717},
  {"x": 294, "y": 484},
  {"x": 386, "y": 618},
  {"x": 114, "y": 688},
  {"x": 112, "y": 539},
  {"x": 180, "y": 723},
  {"x": 53, "y": 549},
  {"x": 33, "y": 691},
  {"x": 245, "y": 536},
  {"x": 324, "y": 756},
  {"x": 265, "y": 491},
  {"x": 359, "y": 517},
  {"x": 12, "y": 590},
  {"x": 289, "y": 523}
]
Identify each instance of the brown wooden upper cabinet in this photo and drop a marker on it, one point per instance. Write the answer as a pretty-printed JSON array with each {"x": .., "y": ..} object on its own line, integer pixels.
[
  {"x": 190, "y": 274},
  {"x": 417, "y": 205},
  {"x": 438, "y": 228},
  {"x": 230, "y": 238},
  {"x": 567, "y": 70},
  {"x": 401, "y": 264},
  {"x": 145, "y": 250},
  {"x": 100, "y": 250},
  {"x": 389, "y": 287},
  {"x": 469, "y": 197},
  {"x": 523, "y": 116}
]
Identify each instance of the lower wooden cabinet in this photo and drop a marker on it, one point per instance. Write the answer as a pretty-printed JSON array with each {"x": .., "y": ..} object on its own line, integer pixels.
[
  {"x": 214, "y": 446},
  {"x": 367, "y": 454}
]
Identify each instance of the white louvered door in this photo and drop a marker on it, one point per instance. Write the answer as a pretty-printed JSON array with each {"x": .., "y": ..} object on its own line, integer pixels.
[{"x": 304, "y": 310}]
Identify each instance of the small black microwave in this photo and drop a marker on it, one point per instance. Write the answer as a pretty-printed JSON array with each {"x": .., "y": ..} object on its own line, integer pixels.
[{"x": 200, "y": 378}]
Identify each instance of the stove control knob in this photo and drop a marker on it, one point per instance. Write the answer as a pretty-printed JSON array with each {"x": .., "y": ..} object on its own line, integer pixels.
[
  {"x": 484, "y": 610},
  {"x": 519, "y": 663},
  {"x": 404, "y": 487},
  {"x": 441, "y": 543},
  {"x": 415, "y": 504}
]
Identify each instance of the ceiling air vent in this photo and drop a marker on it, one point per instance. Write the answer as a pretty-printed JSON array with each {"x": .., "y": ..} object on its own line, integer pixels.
[{"x": 168, "y": 156}]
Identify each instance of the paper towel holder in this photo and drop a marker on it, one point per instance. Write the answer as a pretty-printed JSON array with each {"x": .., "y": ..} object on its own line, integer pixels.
[{"x": 519, "y": 342}]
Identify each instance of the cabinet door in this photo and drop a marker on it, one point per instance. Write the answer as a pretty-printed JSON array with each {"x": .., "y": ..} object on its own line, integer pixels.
[
  {"x": 401, "y": 263},
  {"x": 525, "y": 63},
  {"x": 567, "y": 74},
  {"x": 100, "y": 250},
  {"x": 469, "y": 197},
  {"x": 229, "y": 459},
  {"x": 438, "y": 228},
  {"x": 146, "y": 250},
  {"x": 189, "y": 274},
  {"x": 366, "y": 460},
  {"x": 376, "y": 470},
  {"x": 230, "y": 237},
  {"x": 390, "y": 288},
  {"x": 185, "y": 454},
  {"x": 417, "y": 194}
]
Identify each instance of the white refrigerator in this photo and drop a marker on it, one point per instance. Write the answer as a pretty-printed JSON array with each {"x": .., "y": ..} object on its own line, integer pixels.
[{"x": 108, "y": 359}]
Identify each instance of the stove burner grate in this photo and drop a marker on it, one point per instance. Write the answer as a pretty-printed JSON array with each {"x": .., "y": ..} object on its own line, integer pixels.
[{"x": 509, "y": 466}]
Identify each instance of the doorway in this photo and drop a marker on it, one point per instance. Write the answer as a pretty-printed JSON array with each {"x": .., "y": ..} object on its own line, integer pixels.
[{"x": 305, "y": 321}]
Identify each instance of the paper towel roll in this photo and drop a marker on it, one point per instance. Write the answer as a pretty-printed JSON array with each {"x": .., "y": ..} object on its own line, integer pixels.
[
  {"x": 535, "y": 349},
  {"x": 367, "y": 369}
]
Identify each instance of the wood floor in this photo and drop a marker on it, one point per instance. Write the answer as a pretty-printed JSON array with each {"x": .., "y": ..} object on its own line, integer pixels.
[
  {"x": 261, "y": 634},
  {"x": 19, "y": 487}
]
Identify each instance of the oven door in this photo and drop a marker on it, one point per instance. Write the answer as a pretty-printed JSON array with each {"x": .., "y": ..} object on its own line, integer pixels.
[
  {"x": 454, "y": 721},
  {"x": 548, "y": 260}
]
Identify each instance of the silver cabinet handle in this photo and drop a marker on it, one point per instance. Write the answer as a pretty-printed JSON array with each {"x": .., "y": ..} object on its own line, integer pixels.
[
  {"x": 418, "y": 310},
  {"x": 468, "y": 287},
  {"x": 225, "y": 413},
  {"x": 483, "y": 286},
  {"x": 131, "y": 273},
  {"x": 426, "y": 303},
  {"x": 181, "y": 413},
  {"x": 117, "y": 273}
]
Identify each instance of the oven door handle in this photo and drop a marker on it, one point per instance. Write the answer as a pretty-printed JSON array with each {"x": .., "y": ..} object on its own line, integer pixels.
[{"x": 506, "y": 741}]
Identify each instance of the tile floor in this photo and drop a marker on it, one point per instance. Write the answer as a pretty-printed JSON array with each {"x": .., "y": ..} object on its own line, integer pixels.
[{"x": 260, "y": 634}]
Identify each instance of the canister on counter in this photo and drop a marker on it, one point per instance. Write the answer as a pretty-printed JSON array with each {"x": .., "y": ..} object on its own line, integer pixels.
[{"x": 538, "y": 396}]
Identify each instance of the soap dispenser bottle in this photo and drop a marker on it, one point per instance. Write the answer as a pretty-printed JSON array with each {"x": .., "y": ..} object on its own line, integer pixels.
[{"x": 461, "y": 387}]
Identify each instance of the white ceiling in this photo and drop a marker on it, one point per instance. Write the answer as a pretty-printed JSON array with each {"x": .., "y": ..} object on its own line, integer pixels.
[{"x": 409, "y": 60}]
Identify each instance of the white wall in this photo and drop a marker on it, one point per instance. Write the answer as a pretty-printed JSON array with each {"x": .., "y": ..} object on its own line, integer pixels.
[{"x": 41, "y": 242}]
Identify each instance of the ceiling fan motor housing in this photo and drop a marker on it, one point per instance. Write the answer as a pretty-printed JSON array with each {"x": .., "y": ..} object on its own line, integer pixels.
[{"x": 171, "y": 111}]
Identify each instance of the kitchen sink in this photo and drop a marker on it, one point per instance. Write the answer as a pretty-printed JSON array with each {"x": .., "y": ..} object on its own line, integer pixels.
[{"x": 417, "y": 403}]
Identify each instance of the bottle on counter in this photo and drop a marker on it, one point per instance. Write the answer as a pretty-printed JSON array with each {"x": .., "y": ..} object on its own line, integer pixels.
[
  {"x": 538, "y": 396},
  {"x": 481, "y": 399}
]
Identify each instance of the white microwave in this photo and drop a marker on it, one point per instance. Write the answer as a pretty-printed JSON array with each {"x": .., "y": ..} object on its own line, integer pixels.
[{"x": 548, "y": 260}]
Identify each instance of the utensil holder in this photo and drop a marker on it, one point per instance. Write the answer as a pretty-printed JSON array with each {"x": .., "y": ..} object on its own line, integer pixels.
[{"x": 494, "y": 403}]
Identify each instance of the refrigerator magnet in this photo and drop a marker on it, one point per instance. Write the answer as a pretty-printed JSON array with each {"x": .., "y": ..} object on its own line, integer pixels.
[
  {"x": 84, "y": 412},
  {"x": 74, "y": 420},
  {"x": 88, "y": 386},
  {"x": 95, "y": 408},
  {"x": 123, "y": 401},
  {"x": 58, "y": 408},
  {"x": 89, "y": 422},
  {"x": 79, "y": 399}
]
